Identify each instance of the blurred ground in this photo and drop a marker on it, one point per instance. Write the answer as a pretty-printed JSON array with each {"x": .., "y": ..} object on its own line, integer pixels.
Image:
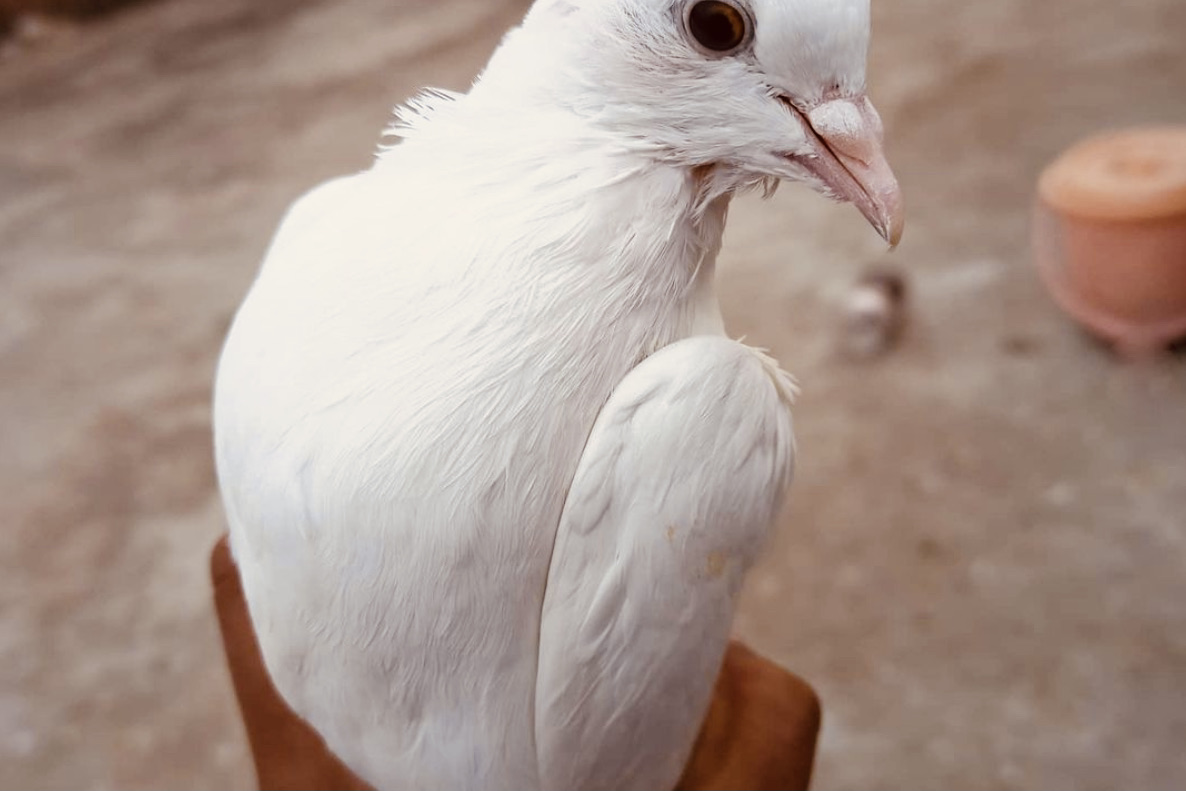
[{"x": 983, "y": 568}]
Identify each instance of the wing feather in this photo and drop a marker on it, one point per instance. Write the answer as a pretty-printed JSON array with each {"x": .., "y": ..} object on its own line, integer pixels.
[{"x": 679, "y": 482}]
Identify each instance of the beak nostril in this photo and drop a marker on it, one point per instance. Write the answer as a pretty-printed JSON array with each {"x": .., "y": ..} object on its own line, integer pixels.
[{"x": 845, "y": 129}]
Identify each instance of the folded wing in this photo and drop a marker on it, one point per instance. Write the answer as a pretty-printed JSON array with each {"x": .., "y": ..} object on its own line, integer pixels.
[{"x": 681, "y": 478}]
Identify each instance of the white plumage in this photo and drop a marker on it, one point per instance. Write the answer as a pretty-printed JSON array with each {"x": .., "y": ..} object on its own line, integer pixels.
[{"x": 493, "y": 471}]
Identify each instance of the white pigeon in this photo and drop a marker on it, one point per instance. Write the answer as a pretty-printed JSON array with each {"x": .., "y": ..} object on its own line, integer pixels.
[{"x": 493, "y": 470}]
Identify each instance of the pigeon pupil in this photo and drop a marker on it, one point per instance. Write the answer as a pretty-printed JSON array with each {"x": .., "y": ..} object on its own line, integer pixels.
[{"x": 717, "y": 25}]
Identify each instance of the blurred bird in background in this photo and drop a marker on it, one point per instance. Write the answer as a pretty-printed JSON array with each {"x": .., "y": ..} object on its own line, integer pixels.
[{"x": 493, "y": 470}]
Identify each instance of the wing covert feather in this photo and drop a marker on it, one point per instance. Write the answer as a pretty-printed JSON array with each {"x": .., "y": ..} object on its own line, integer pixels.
[{"x": 680, "y": 480}]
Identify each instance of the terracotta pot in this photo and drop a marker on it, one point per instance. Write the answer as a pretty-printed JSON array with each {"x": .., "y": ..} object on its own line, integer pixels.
[{"x": 1110, "y": 235}]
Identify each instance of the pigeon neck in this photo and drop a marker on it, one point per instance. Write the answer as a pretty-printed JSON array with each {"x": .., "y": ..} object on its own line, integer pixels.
[{"x": 602, "y": 207}]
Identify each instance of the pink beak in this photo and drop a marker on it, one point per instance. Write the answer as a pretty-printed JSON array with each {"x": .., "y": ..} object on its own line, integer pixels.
[{"x": 849, "y": 160}]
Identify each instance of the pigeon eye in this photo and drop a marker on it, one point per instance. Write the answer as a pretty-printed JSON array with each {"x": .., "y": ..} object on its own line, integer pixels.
[{"x": 717, "y": 25}]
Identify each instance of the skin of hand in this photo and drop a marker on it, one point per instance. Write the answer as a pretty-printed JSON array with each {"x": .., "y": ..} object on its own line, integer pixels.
[{"x": 760, "y": 732}]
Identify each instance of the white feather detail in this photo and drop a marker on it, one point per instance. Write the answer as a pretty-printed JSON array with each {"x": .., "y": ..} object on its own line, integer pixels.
[
  {"x": 682, "y": 476},
  {"x": 399, "y": 411}
]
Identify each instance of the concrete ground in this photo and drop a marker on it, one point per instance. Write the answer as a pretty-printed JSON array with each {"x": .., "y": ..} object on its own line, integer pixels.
[{"x": 983, "y": 567}]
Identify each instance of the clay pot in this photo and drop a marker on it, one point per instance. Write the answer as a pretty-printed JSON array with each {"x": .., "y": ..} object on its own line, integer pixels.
[{"x": 1110, "y": 235}]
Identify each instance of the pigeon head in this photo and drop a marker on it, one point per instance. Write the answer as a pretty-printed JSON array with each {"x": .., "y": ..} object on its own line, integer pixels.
[{"x": 758, "y": 90}]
